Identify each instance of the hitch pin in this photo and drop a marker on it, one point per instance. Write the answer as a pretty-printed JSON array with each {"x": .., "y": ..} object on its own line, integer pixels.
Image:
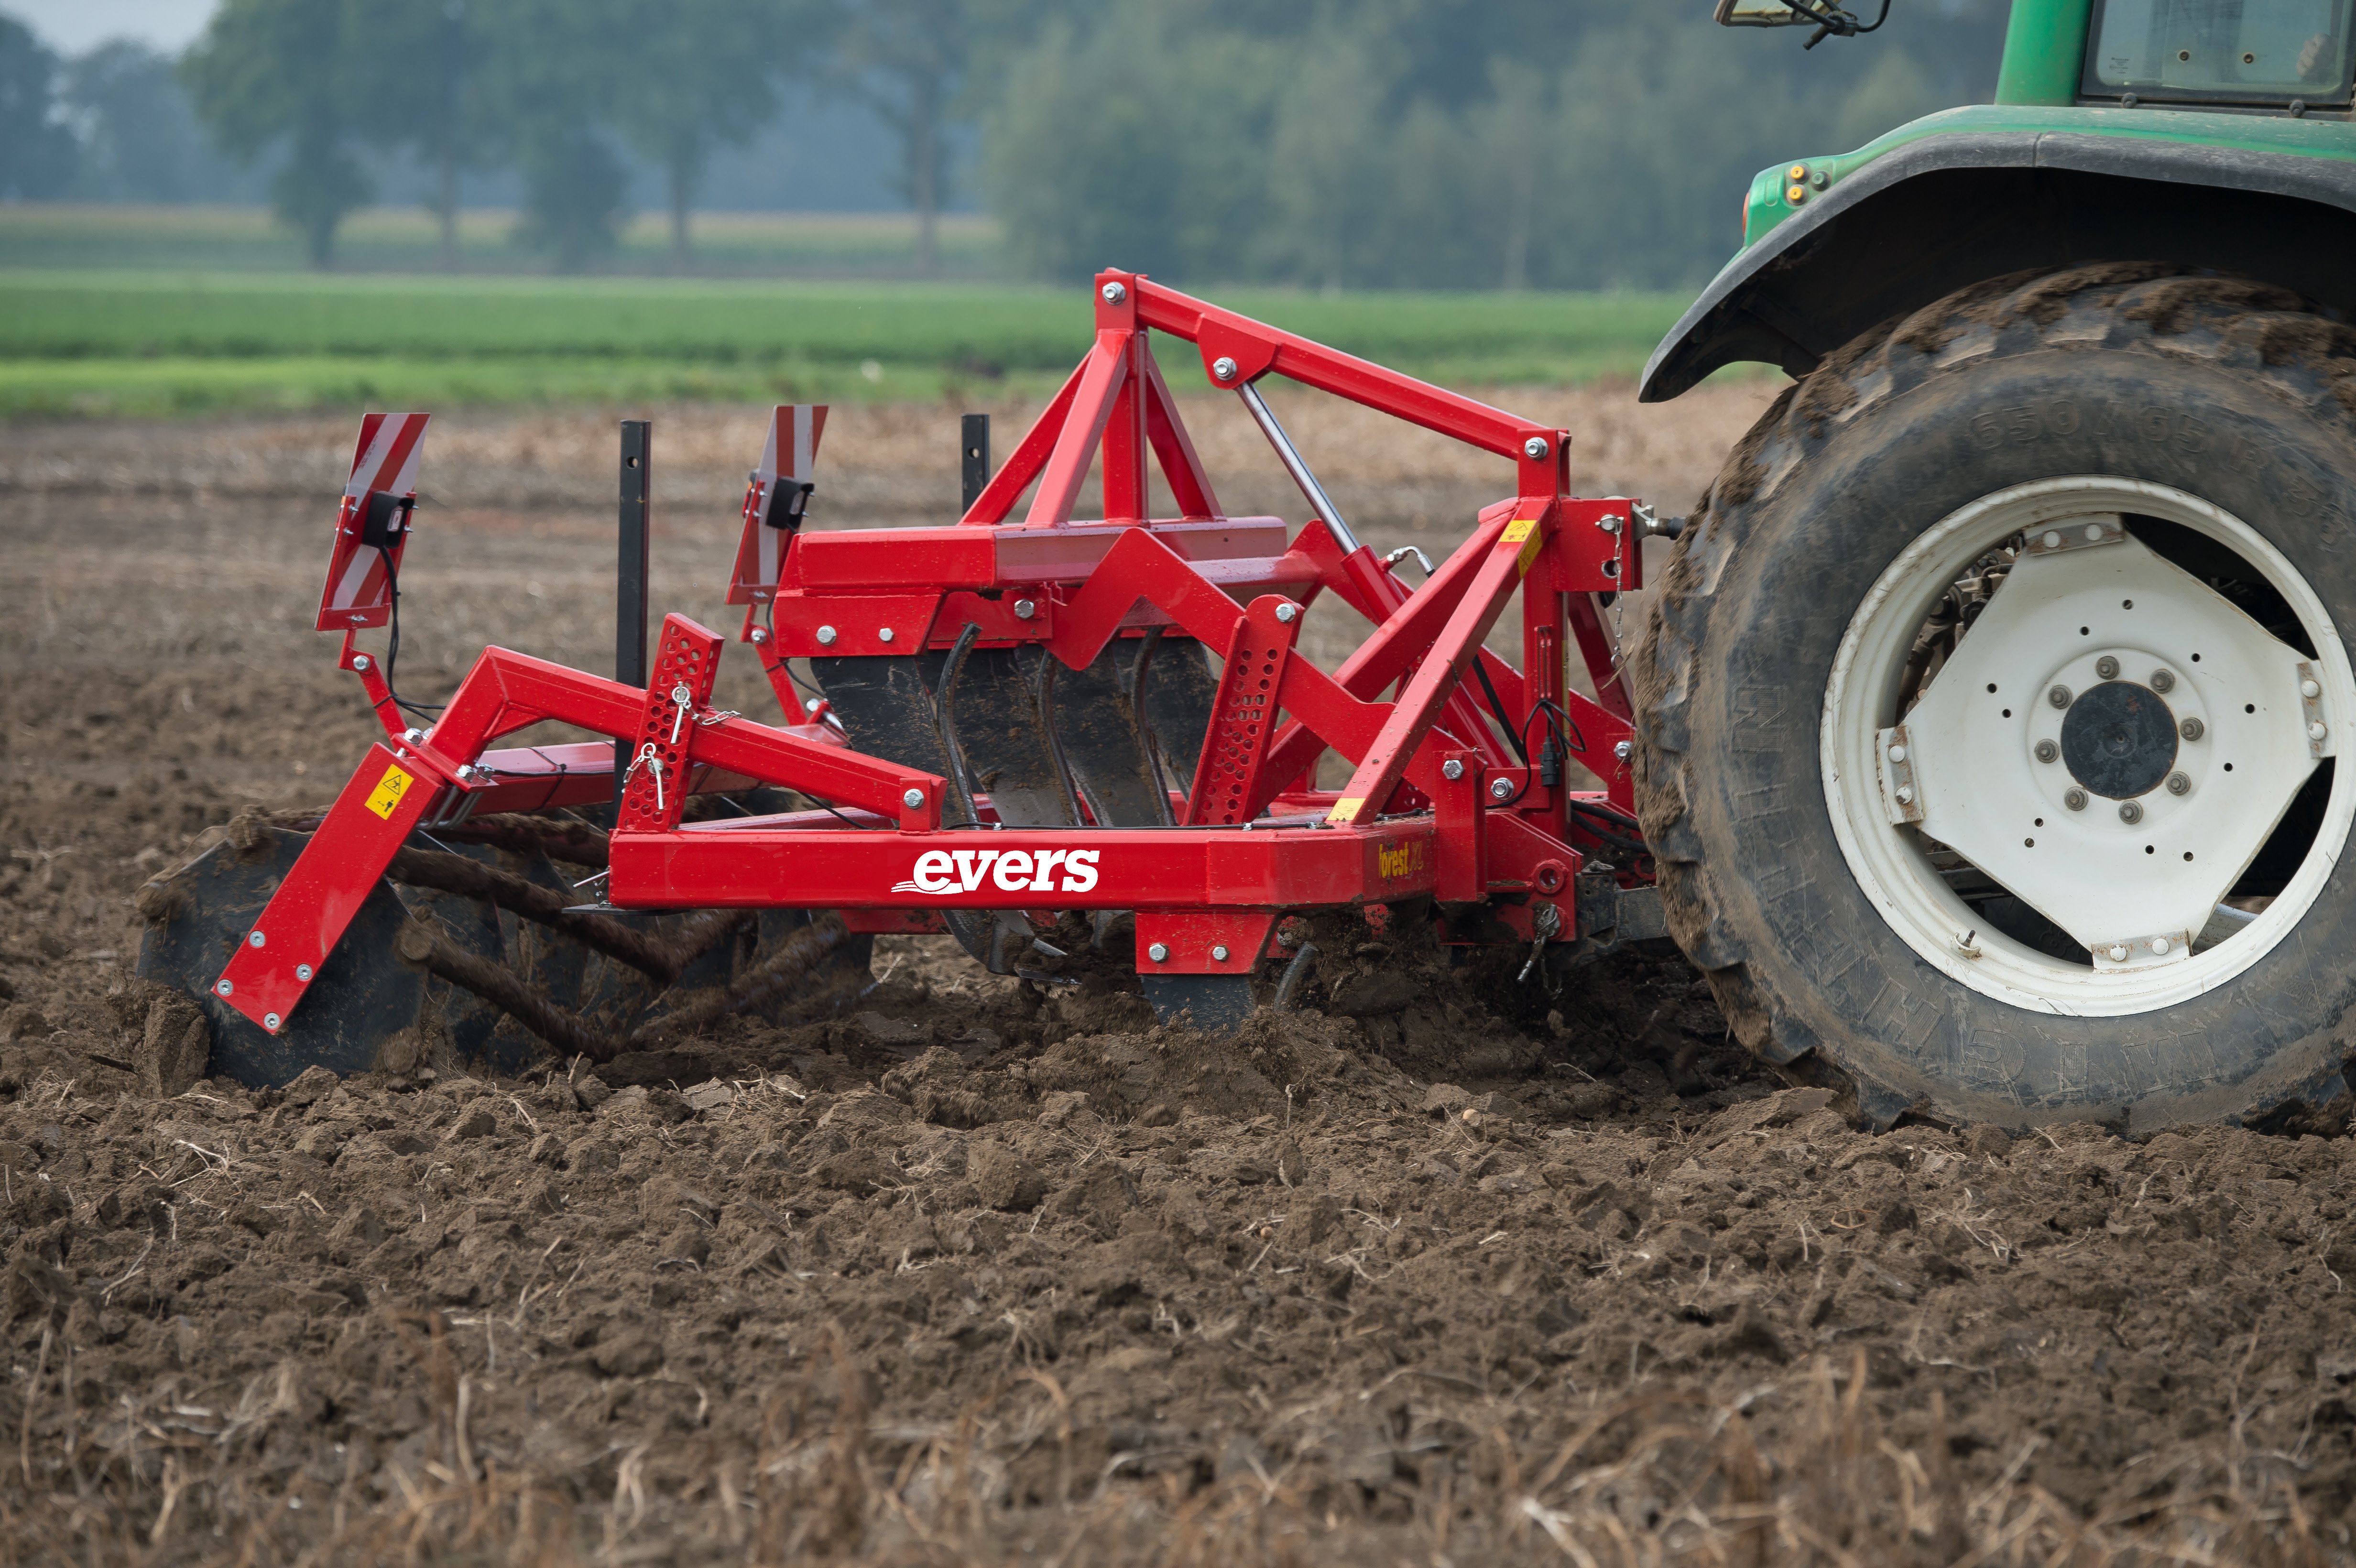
[{"x": 647, "y": 759}]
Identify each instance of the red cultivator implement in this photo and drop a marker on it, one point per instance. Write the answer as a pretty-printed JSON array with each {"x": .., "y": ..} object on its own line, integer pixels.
[{"x": 1018, "y": 721}]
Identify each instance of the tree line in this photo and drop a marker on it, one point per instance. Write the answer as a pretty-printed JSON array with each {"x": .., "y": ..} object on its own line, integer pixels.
[{"x": 1337, "y": 144}]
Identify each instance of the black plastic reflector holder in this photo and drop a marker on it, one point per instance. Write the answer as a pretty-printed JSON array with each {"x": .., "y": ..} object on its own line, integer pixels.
[
  {"x": 630, "y": 574},
  {"x": 789, "y": 504},
  {"x": 973, "y": 456},
  {"x": 384, "y": 519}
]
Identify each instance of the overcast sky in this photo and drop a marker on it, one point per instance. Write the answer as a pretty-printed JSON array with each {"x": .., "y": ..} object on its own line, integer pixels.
[{"x": 72, "y": 26}]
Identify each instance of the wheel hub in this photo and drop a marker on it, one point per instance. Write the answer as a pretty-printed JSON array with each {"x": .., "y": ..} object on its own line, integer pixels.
[
  {"x": 2119, "y": 739},
  {"x": 2111, "y": 741}
]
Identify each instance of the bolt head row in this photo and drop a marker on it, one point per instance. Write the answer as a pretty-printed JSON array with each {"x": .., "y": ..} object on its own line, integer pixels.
[
  {"x": 1026, "y": 608},
  {"x": 1219, "y": 954},
  {"x": 1500, "y": 789},
  {"x": 1452, "y": 769},
  {"x": 1159, "y": 953}
]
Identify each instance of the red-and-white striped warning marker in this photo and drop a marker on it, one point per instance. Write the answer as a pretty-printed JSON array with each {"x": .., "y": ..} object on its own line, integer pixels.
[{"x": 385, "y": 461}]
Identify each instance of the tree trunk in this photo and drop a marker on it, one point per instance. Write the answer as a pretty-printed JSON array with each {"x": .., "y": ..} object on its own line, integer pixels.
[
  {"x": 445, "y": 204},
  {"x": 925, "y": 173},
  {"x": 682, "y": 176}
]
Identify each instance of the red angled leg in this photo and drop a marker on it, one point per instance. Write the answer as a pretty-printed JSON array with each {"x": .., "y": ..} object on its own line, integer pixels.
[
  {"x": 1243, "y": 720},
  {"x": 687, "y": 660},
  {"x": 307, "y": 916}
]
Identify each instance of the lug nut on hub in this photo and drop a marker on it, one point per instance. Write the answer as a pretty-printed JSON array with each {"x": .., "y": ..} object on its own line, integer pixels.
[
  {"x": 2107, "y": 667},
  {"x": 2192, "y": 728},
  {"x": 2130, "y": 812},
  {"x": 2074, "y": 799},
  {"x": 2046, "y": 750},
  {"x": 2163, "y": 681},
  {"x": 2178, "y": 782},
  {"x": 2059, "y": 697}
]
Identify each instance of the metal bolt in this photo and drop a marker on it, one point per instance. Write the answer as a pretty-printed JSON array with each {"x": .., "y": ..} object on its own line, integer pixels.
[
  {"x": 465, "y": 770},
  {"x": 826, "y": 635},
  {"x": 1219, "y": 954},
  {"x": 2107, "y": 667},
  {"x": 1024, "y": 609},
  {"x": 2052, "y": 540},
  {"x": 1288, "y": 614},
  {"x": 1905, "y": 796},
  {"x": 760, "y": 635},
  {"x": 1114, "y": 293},
  {"x": 2163, "y": 681},
  {"x": 1452, "y": 769},
  {"x": 2179, "y": 783},
  {"x": 2192, "y": 728},
  {"x": 2059, "y": 697},
  {"x": 413, "y": 735},
  {"x": 913, "y": 798},
  {"x": 882, "y": 633},
  {"x": 1159, "y": 953},
  {"x": 2075, "y": 799},
  {"x": 2308, "y": 688},
  {"x": 1501, "y": 789},
  {"x": 1897, "y": 754},
  {"x": 2093, "y": 533},
  {"x": 302, "y": 972},
  {"x": 222, "y": 988},
  {"x": 359, "y": 661},
  {"x": 2316, "y": 732},
  {"x": 2118, "y": 953},
  {"x": 1624, "y": 749},
  {"x": 2046, "y": 750},
  {"x": 1223, "y": 368},
  {"x": 2130, "y": 812},
  {"x": 1535, "y": 448},
  {"x": 270, "y": 1022},
  {"x": 2159, "y": 944},
  {"x": 253, "y": 939}
]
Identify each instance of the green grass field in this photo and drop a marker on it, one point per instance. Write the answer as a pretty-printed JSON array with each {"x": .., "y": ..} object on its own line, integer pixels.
[{"x": 159, "y": 339}]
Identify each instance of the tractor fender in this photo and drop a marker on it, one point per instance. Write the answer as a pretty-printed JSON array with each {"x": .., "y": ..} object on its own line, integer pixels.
[{"x": 1949, "y": 210}]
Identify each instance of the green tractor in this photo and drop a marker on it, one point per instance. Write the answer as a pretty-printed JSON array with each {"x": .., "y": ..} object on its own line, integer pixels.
[{"x": 1994, "y": 697}]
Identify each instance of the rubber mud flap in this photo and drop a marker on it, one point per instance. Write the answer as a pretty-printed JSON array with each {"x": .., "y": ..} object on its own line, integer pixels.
[
  {"x": 2228, "y": 392},
  {"x": 362, "y": 994}
]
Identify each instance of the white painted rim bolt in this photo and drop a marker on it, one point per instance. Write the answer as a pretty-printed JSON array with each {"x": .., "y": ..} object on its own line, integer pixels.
[
  {"x": 2052, "y": 540},
  {"x": 1452, "y": 769},
  {"x": 1905, "y": 796},
  {"x": 1223, "y": 368},
  {"x": 2309, "y": 690},
  {"x": 2160, "y": 946},
  {"x": 1219, "y": 954},
  {"x": 1897, "y": 754},
  {"x": 826, "y": 635},
  {"x": 913, "y": 799},
  {"x": 2316, "y": 732},
  {"x": 2093, "y": 533},
  {"x": 1159, "y": 953},
  {"x": 2118, "y": 953},
  {"x": 1026, "y": 608}
]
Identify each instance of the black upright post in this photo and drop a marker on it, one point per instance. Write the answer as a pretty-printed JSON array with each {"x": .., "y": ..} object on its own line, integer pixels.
[
  {"x": 973, "y": 453},
  {"x": 630, "y": 574}
]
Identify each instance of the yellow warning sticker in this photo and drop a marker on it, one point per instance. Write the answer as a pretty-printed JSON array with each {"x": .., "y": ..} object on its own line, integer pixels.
[
  {"x": 1523, "y": 531},
  {"x": 1345, "y": 809},
  {"x": 389, "y": 791}
]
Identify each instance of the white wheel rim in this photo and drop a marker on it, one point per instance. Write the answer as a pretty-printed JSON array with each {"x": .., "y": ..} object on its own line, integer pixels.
[{"x": 1888, "y": 861}]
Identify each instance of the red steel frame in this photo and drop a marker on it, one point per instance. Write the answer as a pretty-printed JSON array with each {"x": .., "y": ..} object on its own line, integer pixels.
[{"x": 1417, "y": 818}]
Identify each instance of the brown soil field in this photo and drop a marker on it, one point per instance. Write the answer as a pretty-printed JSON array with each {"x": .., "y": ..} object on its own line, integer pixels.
[{"x": 1449, "y": 1271}]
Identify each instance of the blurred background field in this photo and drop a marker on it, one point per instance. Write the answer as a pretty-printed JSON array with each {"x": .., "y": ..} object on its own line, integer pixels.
[{"x": 121, "y": 339}]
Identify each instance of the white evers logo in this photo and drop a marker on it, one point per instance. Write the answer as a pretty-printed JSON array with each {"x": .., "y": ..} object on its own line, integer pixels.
[{"x": 940, "y": 871}]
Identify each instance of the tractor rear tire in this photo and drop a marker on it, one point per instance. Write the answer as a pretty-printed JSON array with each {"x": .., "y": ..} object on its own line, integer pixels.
[{"x": 2232, "y": 396}]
